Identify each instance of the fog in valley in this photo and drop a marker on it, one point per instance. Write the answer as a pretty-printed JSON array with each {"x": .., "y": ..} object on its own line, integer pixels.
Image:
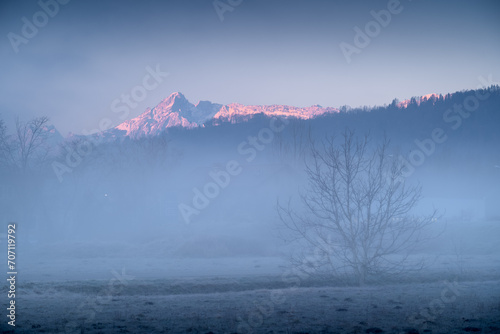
[
  {"x": 240, "y": 202},
  {"x": 248, "y": 166}
]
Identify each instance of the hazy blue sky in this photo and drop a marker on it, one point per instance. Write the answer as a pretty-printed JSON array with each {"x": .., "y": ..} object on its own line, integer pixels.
[{"x": 263, "y": 52}]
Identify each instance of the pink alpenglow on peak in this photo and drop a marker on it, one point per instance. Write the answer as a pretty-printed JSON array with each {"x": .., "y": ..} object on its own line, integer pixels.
[
  {"x": 405, "y": 103},
  {"x": 429, "y": 96},
  {"x": 173, "y": 111},
  {"x": 177, "y": 111},
  {"x": 235, "y": 110}
]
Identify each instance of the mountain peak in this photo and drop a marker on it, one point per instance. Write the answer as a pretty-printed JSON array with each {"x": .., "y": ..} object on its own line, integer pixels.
[
  {"x": 176, "y": 95},
  {"x": 173, "y": 98},
  {"x": 176, "y": 110},
  {"x": 176, "y": 102}
]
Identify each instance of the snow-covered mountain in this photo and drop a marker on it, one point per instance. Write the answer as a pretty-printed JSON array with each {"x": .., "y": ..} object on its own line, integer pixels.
[{"x": 176, "y": 110}]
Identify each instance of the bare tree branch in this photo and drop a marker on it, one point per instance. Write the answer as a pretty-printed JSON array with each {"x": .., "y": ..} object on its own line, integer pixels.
[{"x": 356, "y": 202}]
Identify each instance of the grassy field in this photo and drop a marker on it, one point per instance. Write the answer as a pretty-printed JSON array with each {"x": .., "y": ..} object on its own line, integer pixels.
[
  {"x": 77, "y": 293},
  {"x": 259, "y": 305}
]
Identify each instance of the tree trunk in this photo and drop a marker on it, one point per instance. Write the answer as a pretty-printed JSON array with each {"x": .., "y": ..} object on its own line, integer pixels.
[{"x": 361, "y": 275}]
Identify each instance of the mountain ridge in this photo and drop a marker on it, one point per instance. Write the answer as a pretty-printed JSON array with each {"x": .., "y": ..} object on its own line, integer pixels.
[{"x": 177, "y": 111}]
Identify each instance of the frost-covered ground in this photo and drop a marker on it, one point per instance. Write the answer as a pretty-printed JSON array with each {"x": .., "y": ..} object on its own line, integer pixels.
[
  {"x": 102, "y": 288},
  {"x": 260, "y": 305}
]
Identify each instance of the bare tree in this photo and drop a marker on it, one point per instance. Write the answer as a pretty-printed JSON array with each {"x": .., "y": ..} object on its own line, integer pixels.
[
  {"x": 28, "y": 146},
  {"x": 31, "y": 137},
  {"x": 357, "y": 210}
]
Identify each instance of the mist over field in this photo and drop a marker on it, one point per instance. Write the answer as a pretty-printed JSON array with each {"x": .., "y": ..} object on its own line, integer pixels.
[
  {"x": 241, "y": 166},
  {"x": 176, "y": 210}
]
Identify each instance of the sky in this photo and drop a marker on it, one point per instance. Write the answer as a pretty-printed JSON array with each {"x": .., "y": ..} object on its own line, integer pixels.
[{"x": 85, "y": 56}]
